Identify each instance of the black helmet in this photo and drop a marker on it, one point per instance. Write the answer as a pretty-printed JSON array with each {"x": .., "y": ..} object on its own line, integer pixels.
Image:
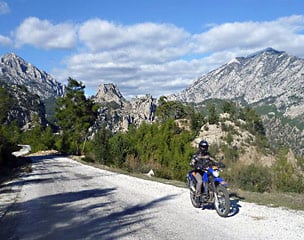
[{"x": 203, "y": 146}]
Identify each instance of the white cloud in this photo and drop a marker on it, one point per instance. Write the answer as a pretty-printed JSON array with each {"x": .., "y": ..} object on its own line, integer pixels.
[
  {"x": 44, "y": 34},
  {"x": 4, "y": 8},
  {"x": 282, "y": 33},
  {"x": 159, "y": 42},
  {"x": 162, "y": 58},
  {"x": 133, "y": 78}
]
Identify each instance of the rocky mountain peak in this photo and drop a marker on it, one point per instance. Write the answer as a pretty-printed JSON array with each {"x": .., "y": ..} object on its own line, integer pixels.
[
  {"x": 266, "y": 51},
  {"x": 15, "y": 70},
  {"x": 119, "y": 116},
  {"x": 12, "y": 58},
  {"x": 109, "y": 93}
]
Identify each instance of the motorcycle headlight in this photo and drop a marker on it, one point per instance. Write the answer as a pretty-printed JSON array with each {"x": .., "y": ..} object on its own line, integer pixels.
[{"x": 216, "y": 173}]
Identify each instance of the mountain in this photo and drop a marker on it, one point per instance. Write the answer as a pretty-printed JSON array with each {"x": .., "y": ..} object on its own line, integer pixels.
[
  {"x": 268, "y": 76},
  {"x": 15, "y": 70},
  {"x": 31, "y": 90},
  {"x": 117, "y": 114},
  {"x": 271, "y": 81}
]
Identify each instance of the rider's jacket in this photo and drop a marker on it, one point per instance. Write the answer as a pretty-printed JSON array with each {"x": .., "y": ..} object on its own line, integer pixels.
[{"x": 200, "y": 160}]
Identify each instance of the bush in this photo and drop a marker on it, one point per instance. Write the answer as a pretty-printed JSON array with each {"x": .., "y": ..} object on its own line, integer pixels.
[
  {"x": 285, "y": 177},
  {"x": 255, "y": 178}
]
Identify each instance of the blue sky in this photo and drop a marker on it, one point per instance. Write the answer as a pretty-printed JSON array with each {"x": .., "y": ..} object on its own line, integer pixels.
[{"x": 155, "y": 47}]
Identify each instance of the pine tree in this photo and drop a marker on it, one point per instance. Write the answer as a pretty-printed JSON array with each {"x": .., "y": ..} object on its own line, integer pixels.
[
  {"x": 74, "y": 115},
  {"x": 102, "y": 146}
]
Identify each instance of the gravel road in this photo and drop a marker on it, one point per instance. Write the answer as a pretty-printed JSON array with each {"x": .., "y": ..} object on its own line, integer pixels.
[{"x": 64, "y": 199}]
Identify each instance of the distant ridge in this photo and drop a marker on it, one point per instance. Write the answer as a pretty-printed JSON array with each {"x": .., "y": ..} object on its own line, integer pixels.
[{"x": 266, "y": 76}]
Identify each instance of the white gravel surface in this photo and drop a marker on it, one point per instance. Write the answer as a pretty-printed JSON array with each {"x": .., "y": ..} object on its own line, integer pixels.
[{"x": 63, "y": 199}]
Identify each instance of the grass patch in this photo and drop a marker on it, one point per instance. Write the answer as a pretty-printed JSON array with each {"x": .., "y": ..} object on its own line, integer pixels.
[{"x": 293, "y": 201}]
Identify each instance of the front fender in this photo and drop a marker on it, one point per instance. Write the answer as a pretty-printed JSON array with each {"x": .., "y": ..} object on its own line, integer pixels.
[{"x": 221, "y": 181}]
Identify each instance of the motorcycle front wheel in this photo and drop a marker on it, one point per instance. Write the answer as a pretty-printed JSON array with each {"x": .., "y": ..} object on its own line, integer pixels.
[{"x": 222, "y": 205}]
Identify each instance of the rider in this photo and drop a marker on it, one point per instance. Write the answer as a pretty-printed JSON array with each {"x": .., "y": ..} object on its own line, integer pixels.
[{"x": 199, "y": 161}]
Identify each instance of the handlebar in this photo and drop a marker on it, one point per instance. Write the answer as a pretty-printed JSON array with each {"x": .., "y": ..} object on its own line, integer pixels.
[{"x": 220, "y": 165}]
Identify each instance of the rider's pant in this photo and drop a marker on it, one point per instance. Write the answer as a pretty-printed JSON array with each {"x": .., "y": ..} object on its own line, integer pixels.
[{"x": 199, "y": 179}]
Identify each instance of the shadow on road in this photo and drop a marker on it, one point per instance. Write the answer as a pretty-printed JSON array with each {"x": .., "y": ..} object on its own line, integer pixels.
[
  {"x": 59, "y": 216},
  {"x": 235, "y": 206},
  {"x": 82, "y": 214}
]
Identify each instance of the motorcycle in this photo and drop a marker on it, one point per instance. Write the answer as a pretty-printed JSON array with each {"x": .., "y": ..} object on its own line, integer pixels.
[{"x": 217, "y": 194}]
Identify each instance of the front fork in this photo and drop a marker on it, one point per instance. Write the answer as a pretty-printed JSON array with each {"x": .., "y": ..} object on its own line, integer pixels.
[{"x": 213, "y": 192}]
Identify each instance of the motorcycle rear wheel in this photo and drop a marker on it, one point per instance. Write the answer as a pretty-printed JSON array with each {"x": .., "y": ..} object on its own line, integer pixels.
[{"x": 222, "y": 206}]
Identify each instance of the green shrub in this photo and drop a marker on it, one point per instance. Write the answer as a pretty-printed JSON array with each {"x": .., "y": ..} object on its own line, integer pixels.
[
  {"x": 285, "y": 177},
  {"x": 255, "y": 178}
]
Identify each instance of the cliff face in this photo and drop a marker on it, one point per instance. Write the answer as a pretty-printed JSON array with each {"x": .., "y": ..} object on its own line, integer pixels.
[{"x": 25, "y": 108}]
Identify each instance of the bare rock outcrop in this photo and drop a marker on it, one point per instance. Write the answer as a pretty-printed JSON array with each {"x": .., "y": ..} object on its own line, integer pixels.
[{"x": 117, "y": 114}]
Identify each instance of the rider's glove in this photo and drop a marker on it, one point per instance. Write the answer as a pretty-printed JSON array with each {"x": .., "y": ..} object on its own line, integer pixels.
[{"x": 193, "y": 162}]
